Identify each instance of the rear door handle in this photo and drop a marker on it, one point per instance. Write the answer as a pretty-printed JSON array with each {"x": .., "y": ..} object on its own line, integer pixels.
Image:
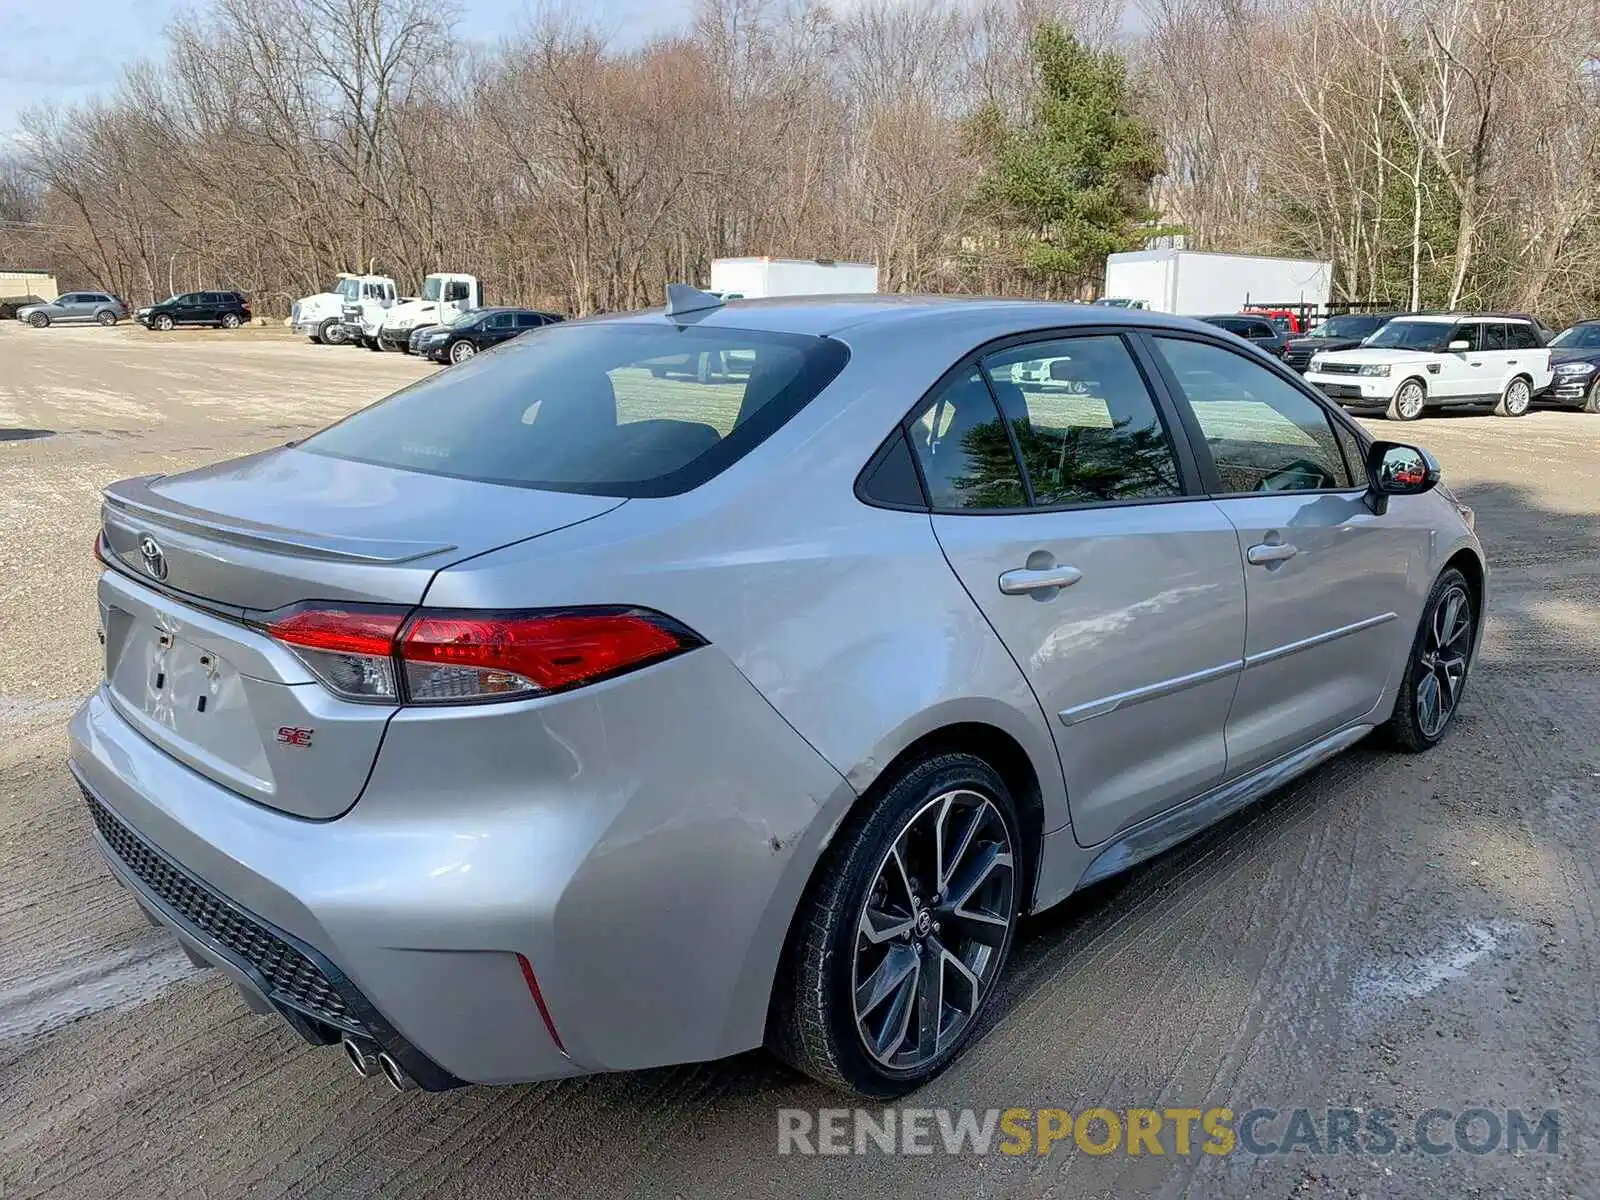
[
  {"x": 1019, "y": 581},
  {"x": 1268, "y": 553}
]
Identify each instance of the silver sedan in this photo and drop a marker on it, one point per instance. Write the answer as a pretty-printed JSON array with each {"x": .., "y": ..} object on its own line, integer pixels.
[{"x": 660, "y": 686}]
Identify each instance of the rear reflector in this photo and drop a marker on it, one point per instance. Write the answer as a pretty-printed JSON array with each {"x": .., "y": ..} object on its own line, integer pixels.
[
  {"x": 538, "y": 1000},
  {"x": 454, "y": 657}
]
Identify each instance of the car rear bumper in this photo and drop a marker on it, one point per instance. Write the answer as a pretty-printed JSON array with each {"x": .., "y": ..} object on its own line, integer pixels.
[{"x": 644, "y": 855}]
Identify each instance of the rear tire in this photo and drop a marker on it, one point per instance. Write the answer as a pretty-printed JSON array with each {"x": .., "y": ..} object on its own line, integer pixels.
[
  {"x": 934, "y": 934},
  {"x": 39, "y": 320},
  {"x": 231, "y": 320},
  {"x": 1514, "y": 401},
  {"x": 1437, "y": 666},
  {"x": 106, "y": 318},
  {"x": 1408, "y": 401}
]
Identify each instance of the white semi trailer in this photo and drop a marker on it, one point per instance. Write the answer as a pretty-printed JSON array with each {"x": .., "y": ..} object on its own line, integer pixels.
[{"x": 1198, "y": 283}]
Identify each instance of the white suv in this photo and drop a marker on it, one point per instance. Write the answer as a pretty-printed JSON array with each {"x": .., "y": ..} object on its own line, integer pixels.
[{"x": 1435, "y": 361}]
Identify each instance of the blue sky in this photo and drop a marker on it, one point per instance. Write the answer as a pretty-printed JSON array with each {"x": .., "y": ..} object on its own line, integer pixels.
[{"x": 68, "y": 50}]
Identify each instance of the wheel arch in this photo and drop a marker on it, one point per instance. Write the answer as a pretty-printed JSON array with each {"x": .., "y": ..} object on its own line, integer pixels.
[
  {"x": 1471, "y": 566},
  {"x": 1001, "y": 751}
]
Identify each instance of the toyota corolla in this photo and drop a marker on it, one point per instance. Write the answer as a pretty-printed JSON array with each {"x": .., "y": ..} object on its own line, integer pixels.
[{"x": 565, "y": 713}]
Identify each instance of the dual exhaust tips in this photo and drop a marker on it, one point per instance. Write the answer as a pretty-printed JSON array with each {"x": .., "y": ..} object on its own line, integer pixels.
[{"x": 368, "y": 1061}]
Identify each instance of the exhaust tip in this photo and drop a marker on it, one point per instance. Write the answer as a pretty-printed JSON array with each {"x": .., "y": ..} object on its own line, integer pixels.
[
  {"x": 395, "y": 1074},
  {"x": 364, "y": 1063}
]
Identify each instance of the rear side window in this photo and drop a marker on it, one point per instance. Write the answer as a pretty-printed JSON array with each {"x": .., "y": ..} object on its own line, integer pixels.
[
  {"x": 1521, "y": 337},
  {"x": 528, "y": 320},
  {"x": 609, "y": 408},
  {"x": 1494, "y": 337},
  {"x": 1084, "y": 421},
  {"x": 964, "y": 449}
]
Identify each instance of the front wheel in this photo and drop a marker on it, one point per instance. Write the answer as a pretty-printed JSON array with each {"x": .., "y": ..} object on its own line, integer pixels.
[
  {"x": 1591, "y": 402},
  {"x": 1408, "y": 402},
  {"x": 461, "y": 351},
  {"x": 1514, "y": 401},
  {"x": 39, "y": 320},
  {"x": 163, "y": 322},
  {"x": 331, "y": 332},
  {"x": 1436, "y": 672},
  {"x": 903, "y": 932},
  {"x": 106, "y": 317}
]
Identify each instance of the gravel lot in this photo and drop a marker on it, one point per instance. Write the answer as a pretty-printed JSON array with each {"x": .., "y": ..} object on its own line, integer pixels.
[{"x": 1391, "y": 932}]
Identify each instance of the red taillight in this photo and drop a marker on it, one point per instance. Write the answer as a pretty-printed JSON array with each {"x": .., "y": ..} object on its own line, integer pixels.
[
  {"x": 456, "y": 657},
  {"x": 351, "y": 650},
  {"x": 99, "y": 553},
  {"x": 470, "y": 656},
  {"x": 342, "y": 631}
]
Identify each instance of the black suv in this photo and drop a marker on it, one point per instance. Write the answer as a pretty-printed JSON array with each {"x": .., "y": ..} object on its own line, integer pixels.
[
  {"x": 225, "y": 310},
  {"x": 477, "y": 330},
  {"x": 1258, "y": 331},
  {"x": 1344, "y": 332}
]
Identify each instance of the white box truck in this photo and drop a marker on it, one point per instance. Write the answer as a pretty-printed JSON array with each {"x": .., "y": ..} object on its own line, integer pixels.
[
  {"x": 755, "y": 278},
  {"x": 1197, "y": 283}
]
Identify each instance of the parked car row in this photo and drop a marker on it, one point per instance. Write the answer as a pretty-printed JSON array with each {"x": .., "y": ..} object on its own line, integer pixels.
[{"x": 1405, "y": 364}]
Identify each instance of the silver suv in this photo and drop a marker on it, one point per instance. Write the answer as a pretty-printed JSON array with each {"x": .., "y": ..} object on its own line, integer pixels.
[{"x": 100, "y": 307}]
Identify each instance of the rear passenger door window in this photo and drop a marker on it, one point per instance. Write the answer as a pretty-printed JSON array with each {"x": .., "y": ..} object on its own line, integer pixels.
[
  {"x": 1494, "y": 337},
  {"x": 1084, "y": 422},
  {"x": 1521, "y": 337},
  {"x": 1263, "y": 434},
  {"x": 964, "y": 450}
]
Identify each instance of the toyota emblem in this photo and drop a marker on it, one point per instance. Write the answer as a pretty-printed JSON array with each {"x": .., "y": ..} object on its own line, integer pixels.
[{"x": 155, "y": 559}]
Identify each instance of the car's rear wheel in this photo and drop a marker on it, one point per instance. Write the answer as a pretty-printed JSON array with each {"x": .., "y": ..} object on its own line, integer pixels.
[
  {"x": 39, "y": 320},
  {"x": 461, "y": 351},
  {"x": 905, "y": 929},
  {"x": 106, "y": 317},
  {"x": 231, "y": 321},
  {"x": 1408, "y": 401},
  {"x": 1514, "y": 401},
  {"x": 162, "y": 322},
  {"x": 1436, "y": 671}
]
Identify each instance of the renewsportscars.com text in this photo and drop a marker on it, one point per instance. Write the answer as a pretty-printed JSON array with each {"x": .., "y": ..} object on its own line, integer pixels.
[{"x": 1179, "y": 1132}]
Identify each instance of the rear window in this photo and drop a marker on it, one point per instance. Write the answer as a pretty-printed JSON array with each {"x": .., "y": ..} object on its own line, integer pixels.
[{"x": 610, "y": 408}]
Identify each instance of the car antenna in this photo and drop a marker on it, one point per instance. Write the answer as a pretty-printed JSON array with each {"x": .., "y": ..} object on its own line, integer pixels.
[{"x": 681, "y": 299}]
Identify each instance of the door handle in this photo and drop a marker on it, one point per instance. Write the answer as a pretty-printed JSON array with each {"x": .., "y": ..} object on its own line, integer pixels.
[
  {"x": 1268, "y": 553},
  {"x": 1475, "y": 364},
  {"x": 1020, "y": 581}
]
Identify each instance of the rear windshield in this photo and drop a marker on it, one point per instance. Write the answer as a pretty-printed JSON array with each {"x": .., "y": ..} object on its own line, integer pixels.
[{"x": 608, "y": 408}]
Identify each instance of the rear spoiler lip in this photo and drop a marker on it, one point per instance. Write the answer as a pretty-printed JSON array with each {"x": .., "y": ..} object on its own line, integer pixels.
[{"x": 134, "y": 501}]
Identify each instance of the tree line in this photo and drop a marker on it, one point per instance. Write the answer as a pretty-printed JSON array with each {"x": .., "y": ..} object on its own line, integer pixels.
[{"x": 1441, "y": 153}]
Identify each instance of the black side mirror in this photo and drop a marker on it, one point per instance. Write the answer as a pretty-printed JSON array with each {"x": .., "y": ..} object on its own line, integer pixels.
[{"x": 1396, "y": 469}]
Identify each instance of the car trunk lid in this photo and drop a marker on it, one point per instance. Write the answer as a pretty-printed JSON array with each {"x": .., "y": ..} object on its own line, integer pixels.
[{"x": 188, "y": 660}]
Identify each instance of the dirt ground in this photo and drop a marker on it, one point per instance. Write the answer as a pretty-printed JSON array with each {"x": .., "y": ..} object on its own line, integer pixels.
[{"x": 1400, "y": 933}]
